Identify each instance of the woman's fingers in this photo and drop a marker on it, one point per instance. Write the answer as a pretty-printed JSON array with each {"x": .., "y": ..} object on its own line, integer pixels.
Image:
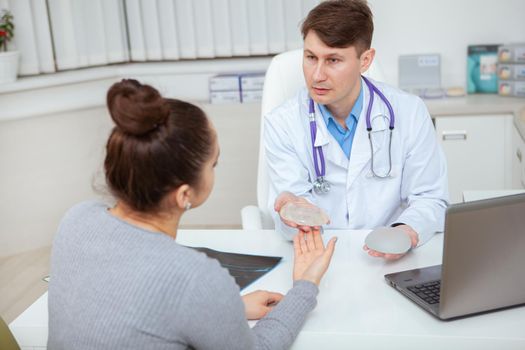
[
  {"x": 308, "y": 237},
  {"x": 305, "y": 229},
  {"x": 318, "y": 240},
  {"x": 273, "y": 298},
  {"x": 296, "y": 245},
  {"x": 302, "y": 242},
  {"x": 329, "y": 251}
]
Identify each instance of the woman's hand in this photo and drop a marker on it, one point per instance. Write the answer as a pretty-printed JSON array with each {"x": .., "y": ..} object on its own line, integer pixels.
[
  {"x": 257, "y": 304},
  {"x": 311, "y": 258}
]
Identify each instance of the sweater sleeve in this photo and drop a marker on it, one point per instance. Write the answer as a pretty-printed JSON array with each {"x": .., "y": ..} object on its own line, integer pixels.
[
  {"x": 281, "y": 326},
  {"x": 214, "y": 317}
]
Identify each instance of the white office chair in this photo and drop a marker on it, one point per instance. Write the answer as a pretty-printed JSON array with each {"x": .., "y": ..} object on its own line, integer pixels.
[{"x": 283, "y": 79}]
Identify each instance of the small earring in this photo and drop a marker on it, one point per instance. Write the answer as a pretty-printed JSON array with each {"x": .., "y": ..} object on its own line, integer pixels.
[{"x": 187, "y": 206}]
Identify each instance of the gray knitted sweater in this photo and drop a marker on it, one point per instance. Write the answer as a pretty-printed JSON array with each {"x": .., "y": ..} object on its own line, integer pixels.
[{"x": 117, "y": 286}]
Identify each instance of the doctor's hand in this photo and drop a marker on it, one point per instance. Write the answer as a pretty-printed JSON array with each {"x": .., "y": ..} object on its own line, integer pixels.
[
  {"x": 311, "y": 258},
  {"x": 257, "y": 304},
  {"x": 414, "y": 239},
  {"x": 287, "y": 197}
]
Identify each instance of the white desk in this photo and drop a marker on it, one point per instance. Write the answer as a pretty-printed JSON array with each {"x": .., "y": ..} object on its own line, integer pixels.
[{"x": 356, "y": 308}]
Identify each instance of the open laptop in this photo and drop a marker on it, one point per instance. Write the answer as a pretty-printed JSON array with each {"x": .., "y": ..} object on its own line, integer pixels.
[{"x": 483, "y": 266}]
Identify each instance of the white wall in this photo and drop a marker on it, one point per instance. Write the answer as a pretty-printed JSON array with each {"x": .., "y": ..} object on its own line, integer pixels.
[
  {"x": 49, "y": 163},
  {"x": 443, "y": 26}
]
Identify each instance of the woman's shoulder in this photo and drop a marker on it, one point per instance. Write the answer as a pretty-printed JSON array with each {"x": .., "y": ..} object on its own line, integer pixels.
[
  {"x": 87, "y": 206},
  {"x": 78, "y": 217},
  {"x": 83, "y": 210}
]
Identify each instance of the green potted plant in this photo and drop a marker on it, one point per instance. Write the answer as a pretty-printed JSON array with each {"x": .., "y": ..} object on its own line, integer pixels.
[{"x": 8, "y": 59}]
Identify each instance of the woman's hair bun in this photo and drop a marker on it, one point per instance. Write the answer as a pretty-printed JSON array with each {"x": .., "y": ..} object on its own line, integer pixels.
[{"x": 136, "y": 108}]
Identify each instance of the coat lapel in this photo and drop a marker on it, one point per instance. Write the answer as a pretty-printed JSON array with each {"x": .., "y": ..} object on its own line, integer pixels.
[{"x": 331, "y": 147}]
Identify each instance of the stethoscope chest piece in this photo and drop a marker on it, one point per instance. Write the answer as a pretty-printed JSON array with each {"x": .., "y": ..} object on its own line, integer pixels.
[{"x": 321, "y": 186}]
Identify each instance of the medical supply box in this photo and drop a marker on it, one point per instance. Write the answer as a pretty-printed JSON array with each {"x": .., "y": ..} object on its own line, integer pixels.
[
  {"x": 513, "y": 53},
  {"x": 481, "y": 69},
  {"x": 421, "y": 71},
  {"x": 225, "y": 82},
  {"x": 251, "y": 96},
  {"x": 509, "y": 71},
  {"x": 252, "y": 81},
  {"x": 223, "y": 97},
  {"x": 512, "y": 88},
  {"x": 236, "y": 88}
]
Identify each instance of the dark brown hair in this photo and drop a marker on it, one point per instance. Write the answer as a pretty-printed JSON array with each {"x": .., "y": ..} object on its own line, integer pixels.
[
  {"x": 157, "y": 145},
  {"x": 341, "y": 23}
]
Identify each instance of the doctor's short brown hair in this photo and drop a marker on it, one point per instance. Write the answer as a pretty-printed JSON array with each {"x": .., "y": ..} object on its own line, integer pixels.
[{"x": 341, "y": 24}]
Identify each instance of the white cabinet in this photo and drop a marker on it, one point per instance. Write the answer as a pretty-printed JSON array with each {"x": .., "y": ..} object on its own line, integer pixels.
[
  {"x": 478, "y": 152},
  {"x": 518, "y": 159}
]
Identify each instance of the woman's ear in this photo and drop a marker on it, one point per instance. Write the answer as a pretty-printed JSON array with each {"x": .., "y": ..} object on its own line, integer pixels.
[
  {"x": 181, "y": 197},
  {"x": 366, "y": 59}
]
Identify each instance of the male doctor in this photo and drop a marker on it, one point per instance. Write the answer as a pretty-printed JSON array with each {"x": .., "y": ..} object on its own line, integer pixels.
[{"x": 385, "y": 177}]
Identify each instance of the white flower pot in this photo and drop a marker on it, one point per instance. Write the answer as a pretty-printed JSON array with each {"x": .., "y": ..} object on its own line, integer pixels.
[{"x": 8, "y": 66}]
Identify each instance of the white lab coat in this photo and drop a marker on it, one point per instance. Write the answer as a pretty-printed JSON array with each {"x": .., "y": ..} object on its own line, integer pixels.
[{"x": 416, "y": 194}]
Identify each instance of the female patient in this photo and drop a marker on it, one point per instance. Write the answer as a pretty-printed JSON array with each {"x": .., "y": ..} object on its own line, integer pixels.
[{"x": 119, "y": 280}]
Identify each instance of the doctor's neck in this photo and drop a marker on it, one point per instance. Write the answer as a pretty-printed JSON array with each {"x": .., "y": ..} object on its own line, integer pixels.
[{"x": 341, "y": 108}]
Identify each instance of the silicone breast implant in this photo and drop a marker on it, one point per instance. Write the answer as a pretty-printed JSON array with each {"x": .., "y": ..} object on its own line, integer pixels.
[
  {"x": 304, "y": 214},
  {"x": 389, "y": 240}
]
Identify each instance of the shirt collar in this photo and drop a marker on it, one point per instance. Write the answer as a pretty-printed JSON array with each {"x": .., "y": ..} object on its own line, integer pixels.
[{"x": 355, "y": 112}]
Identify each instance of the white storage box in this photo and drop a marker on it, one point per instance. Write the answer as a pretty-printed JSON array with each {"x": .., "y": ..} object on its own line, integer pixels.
[
  {"x": 512, "y": 88},
  {"x": 511, "y": 71},
  {"x": 222, "y": 97}
]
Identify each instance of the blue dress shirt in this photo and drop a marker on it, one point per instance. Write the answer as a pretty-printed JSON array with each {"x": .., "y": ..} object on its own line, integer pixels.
[{"x": 343, "y": 136}]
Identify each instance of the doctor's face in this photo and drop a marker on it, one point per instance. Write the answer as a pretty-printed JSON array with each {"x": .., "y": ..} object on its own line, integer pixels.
[{"x": 333, "y": 74}]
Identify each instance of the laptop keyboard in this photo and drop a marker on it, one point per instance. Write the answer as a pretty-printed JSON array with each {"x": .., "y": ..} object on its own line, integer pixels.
[{"x": 428, "y": 292}]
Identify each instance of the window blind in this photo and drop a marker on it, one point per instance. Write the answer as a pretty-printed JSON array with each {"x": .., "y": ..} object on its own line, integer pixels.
[{"x": 55, "y": 35}]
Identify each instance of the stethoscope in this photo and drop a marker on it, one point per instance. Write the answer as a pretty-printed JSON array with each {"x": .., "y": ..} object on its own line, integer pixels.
[{"x": 321, "y": 185}]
